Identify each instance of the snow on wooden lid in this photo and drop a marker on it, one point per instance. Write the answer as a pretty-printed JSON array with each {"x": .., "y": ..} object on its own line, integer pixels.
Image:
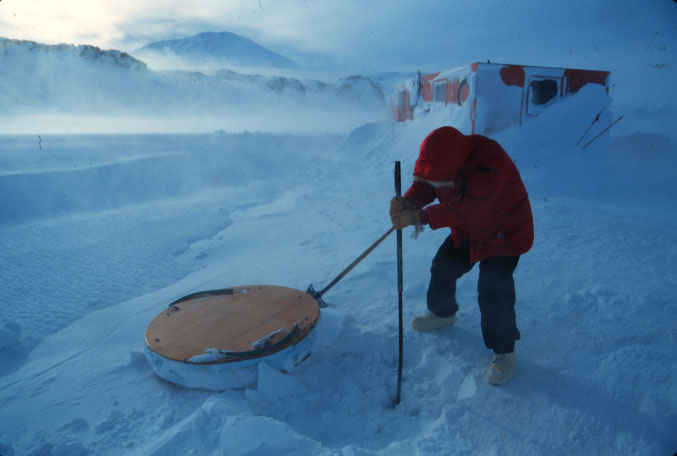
[{"x": 232, "y": 324}]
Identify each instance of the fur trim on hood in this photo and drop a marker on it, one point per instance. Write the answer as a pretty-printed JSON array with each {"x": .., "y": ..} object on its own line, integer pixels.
[{"x": 435, "y": 184}]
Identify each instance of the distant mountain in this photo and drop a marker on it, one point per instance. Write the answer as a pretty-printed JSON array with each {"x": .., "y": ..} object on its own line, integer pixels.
[
  {"x": 85, "y": 79},
  {"x": 224, "y": 48}
]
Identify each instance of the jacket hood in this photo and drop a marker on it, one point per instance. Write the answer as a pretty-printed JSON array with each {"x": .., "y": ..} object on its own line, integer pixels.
[{"x": 443, "y": 152}]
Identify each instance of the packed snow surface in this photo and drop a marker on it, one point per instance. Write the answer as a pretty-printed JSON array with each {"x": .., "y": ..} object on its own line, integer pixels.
[{"x": 99, "y": 233}]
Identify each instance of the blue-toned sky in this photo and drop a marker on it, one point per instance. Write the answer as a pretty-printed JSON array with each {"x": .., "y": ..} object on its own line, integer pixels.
[{"x": 362, "y": 34}]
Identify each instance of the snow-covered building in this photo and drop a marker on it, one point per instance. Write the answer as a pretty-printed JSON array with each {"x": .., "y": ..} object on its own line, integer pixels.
[{"x": 486, "y": 97}]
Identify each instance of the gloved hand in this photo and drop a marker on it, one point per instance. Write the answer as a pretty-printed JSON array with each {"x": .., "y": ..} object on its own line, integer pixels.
[
  {"x": 399, "y": 204},
  {"x": 404, "y": 218}
]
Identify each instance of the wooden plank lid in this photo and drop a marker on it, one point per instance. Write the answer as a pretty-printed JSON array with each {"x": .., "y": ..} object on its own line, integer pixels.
[{"x": 232, "y": 324}]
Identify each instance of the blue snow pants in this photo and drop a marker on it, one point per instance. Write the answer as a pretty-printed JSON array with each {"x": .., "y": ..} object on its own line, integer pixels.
[{"x": 495, "y": 288}]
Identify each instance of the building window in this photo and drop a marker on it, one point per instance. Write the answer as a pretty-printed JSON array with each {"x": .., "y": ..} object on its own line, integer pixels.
[
  {"x": 463, "y": 92},
  {"x": 440, "y": 91},
  {"x": 543, "y": 90}
]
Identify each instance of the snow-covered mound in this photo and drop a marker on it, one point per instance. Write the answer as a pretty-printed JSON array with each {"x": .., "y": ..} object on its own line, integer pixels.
[{"x": 210, "y": 50}]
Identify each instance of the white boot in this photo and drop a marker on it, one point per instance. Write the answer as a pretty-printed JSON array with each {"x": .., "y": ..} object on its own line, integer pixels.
[
  {"x": 429, "y": 321},
  {"x": 501, "y": 369}
]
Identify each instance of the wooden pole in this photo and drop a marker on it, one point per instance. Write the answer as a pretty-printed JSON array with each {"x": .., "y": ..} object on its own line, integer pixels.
[{"x": 318, "y": 295}]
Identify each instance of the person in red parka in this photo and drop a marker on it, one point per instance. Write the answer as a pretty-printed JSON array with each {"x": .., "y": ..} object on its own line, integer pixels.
[{"x": 481, "y": 197}]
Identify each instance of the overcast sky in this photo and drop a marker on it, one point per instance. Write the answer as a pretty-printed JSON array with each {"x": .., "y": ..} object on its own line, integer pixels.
[{"x": 351, "y": 33}]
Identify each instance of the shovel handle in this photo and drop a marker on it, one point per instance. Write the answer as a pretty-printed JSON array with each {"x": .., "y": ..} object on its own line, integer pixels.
[{"x": 355, "y": 263}]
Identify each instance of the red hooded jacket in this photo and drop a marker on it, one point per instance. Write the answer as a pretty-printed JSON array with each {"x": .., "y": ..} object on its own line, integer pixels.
[{"x": 480, "y": 192}]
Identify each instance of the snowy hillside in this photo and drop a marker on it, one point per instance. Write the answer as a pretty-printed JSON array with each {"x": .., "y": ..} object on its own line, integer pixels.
[
  {"x": 62, "y": 76},
  {"x": 82, "y": 88},
  {"x": 211, "y": 50}
]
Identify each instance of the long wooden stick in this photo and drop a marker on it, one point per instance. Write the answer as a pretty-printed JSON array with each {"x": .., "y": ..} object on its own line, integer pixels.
[{"x": 355, "y": 263}]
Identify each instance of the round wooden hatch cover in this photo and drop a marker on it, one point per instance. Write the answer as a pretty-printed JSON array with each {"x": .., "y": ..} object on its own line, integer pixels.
[{"x": 232, "y": 324}]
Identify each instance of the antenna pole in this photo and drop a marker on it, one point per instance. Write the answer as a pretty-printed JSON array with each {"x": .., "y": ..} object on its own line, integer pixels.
[{"x": 400, "y": 288}]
